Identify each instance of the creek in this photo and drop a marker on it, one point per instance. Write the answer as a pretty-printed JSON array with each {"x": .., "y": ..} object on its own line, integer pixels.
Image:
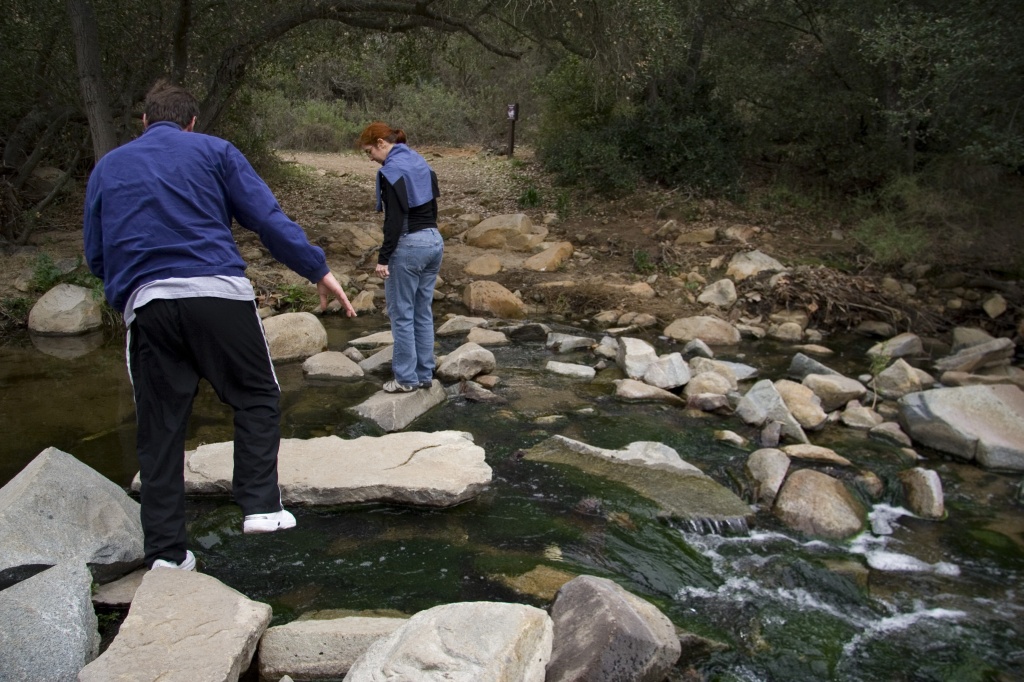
[{"x": 924, "y": 601}]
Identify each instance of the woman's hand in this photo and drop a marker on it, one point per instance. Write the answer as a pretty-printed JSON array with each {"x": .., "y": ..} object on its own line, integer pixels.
[{"x": 381, "y": 271}]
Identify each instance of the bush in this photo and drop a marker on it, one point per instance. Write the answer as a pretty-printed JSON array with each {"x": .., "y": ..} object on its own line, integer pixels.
[
  {"x": 430, "y": 113},
  {"x": 888, "y": 241}
]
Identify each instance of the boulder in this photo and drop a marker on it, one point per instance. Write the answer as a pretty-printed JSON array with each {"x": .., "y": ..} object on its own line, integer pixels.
[
  {"x": 750, "y": 264},
  {"x": 550, "y": 259},
  {"x": 466, "y": 362},
  {"x": 922, "y": 489},
  {"x": 681, "y": 492},
  {"x": 763, "y": 403},
  {"x": 603, "y": 632},
  {"x": 571, "y": 370},
  {"x": 711, "y": 330},
  {"x": 767, "y": 468},
  {"x": 486, "y": 297},
  {"x": 667, "y": 372},
  {"x": 802, "y": 403},
  {"x": 395, "y": 411},
  {"x": 49, "y": 626},
  {"x": 721, "y": 294},
  {"x": 818, "y": 505},
  {"x": 976, "y": 423},
  {"x": 631, "y": 390},
  {"x": 294, "y": 336},
  {"x": 992, "y": 353},
  {"x": 439, "y": 469},
  {"x": 66, "y": 310},
  {"x": 635, "y": 356},
  {"x": 494, "y": 232},
  {"x": 568, "y": 343},
  {"x": 460, "y": 324},
  {"x": 182, "y": 625},
  {"x": 58, "y": 509},
  {"x": 834, "y": 391},
  {"x": 486, "y": 337},
  {"x": 317, "y": 649},
  {"x": 900, "y": 346},
  {"x": 480, "y": 640},
  {"x": 331, "y": 365}
]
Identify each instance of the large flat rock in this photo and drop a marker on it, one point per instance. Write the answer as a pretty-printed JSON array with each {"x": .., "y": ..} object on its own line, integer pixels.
[
  {"x": 438, "y": 469},
  {"x": 687, "y": 496},
  {"x": 977, "y": 423},
  {"x": 183, "y": 626}
]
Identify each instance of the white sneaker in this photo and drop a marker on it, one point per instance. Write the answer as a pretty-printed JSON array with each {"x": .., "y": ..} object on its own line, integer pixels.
[
  {"x": 268, "y": 523},
  {"x": 189, "y": 564}
]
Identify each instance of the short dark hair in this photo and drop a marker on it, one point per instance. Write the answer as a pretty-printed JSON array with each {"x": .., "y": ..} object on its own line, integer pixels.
[{"x": 166, "y": 101}]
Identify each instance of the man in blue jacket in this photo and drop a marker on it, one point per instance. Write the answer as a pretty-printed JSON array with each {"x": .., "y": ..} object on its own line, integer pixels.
[{"x": 158, "y": 215}]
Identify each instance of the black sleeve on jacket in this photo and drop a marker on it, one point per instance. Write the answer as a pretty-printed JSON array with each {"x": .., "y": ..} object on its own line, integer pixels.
[{"x": 396, "y": 207}]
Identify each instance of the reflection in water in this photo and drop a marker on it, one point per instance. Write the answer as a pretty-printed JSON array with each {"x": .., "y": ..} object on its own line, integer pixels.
[
  {"x": 773, "y": 605},
  {"x": 67, "y": 347}
]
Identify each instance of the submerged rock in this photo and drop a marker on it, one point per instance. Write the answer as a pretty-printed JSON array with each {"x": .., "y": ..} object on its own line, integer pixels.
[{"x": 683, "y": 494}]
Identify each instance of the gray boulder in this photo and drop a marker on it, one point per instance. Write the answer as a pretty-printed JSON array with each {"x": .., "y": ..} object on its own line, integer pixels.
[
  {"x": 977, "y": 423},
  {"x": 49, "y": 625},
  {"x": 331, "y": 365},
  {"x": 58, "y": 509},
  {"x": 466, "y": 362},
  {"x": 603, "y": 632},
  {"x": 395, "y": 411},
  {"x": 763, "y": 403}
]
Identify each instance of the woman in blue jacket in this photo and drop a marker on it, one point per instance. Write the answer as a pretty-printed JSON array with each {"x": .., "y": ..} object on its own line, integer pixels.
[{"x": 410, "y": 257}]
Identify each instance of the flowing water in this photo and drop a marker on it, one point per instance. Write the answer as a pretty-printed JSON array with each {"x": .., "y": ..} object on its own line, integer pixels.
[{"x": 913, "y": 600}]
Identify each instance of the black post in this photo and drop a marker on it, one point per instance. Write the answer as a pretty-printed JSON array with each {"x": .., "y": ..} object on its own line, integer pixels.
[{"x": 513, "y": 114}]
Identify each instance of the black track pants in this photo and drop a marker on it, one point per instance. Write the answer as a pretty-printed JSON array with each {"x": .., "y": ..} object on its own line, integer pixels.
[{"x": 172, "y": 344}]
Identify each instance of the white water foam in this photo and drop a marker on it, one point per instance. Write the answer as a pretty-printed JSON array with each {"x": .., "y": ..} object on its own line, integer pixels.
[
  {"x": 898, "y": 623},
  {"x": 873, "y": 546}
]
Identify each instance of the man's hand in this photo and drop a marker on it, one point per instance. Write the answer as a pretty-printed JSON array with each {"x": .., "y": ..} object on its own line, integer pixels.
[
  {"x": 328, "y": 287},
  {"x": 381, "y": 271}
]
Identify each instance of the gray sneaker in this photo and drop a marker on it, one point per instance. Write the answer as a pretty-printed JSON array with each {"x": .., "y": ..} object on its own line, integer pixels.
[
  {"x": 189, "y": 564},
  {"x": 393, "y": 386}
]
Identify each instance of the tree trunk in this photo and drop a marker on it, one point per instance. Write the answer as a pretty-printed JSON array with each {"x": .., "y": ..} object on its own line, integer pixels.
[
  {"x": 93, "y": 89},
  {"x": 181, "y": 33}
]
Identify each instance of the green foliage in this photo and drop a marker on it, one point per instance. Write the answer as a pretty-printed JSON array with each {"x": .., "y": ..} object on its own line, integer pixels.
[
  {"x": 299, "y": 297},
  {"x": 13, "y": 313},
  {"x": 45, "y": 274},
  {"x": 530, "y": 198},
  {"x": 888, "y": 241},
  {"x": 642, "y": 262}
]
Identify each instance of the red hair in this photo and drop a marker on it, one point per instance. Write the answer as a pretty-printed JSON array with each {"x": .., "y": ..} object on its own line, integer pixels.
[{"x": 378, "y": 130}]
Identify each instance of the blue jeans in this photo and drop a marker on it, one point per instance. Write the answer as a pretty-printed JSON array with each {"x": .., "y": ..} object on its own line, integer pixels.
[{"x": 409, "y": 288}]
